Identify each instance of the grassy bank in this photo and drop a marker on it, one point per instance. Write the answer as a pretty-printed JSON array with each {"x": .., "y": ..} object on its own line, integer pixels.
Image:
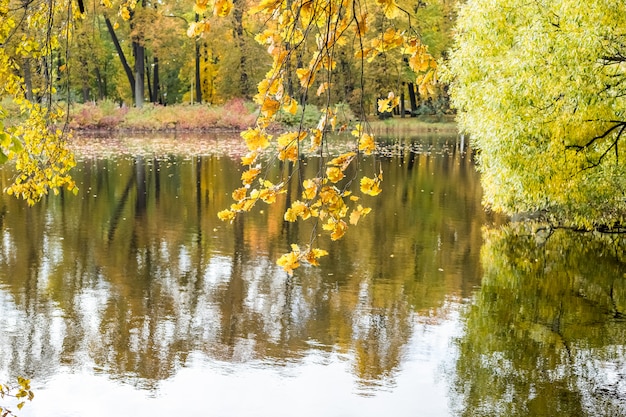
[
  {"x": 107, "y": 116},
  {"x": 235, "y": 115}
]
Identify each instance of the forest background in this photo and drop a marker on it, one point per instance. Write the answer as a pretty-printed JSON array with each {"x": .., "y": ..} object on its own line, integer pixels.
[{"x": 119, "y": 60}]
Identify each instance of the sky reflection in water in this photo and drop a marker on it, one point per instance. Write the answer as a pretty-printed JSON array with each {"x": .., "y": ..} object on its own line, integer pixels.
[{"x": 133, "y": 299}]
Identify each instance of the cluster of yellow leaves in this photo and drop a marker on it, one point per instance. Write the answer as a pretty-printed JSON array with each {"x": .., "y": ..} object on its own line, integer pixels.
[
  {"x": 42, "y": 159},
  {"x": 419, "y": 59},
  {"x": 326, "y": 198},
  {"x": 291, "y": 260},
  {"x": 22, "y": 392}
]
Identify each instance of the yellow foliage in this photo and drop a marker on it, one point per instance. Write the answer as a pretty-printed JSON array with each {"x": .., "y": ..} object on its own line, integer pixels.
[
  {"x": 310, "y": 188},
  {"x": 371, "y": 186},
  {"x": 226, "y": 215},
  {"x": 388, "y": 104},
  {"x": 342, "y": 161},
  {"x": 240, "y": 193},
  {"x": 249, "y": 158},
  {"x": 389, "y": 7},
  {"x": 334, "y": 174},
  {"x": 357, "y": 213},
  {"x": 314, "y": 29},
  {"x": 336, "y": 227},
  {"x": 248, "y": 176},
  {"x": 200, "y": 6},
  {"x": 290, "y": 261},
  {"x": 223, "y": 8},
  {"x": 290, "y": 106},
  {"x": 255, "y": 139},
  {"x": 125, "y": 13}
]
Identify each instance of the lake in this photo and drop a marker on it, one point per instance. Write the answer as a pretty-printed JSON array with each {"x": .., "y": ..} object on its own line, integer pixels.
[{"x": 132, "y": 298}]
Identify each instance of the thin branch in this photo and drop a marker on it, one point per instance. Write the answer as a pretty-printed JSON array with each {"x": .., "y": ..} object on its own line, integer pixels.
[{"x": 618, "y": 124}]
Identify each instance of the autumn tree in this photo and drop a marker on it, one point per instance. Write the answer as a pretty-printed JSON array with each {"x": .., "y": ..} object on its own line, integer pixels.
[{"x": 540, "y": 88}]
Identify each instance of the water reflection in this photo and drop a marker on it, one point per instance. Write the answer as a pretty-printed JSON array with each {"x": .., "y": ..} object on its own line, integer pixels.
[
  {"x": 135, "y": 291},
  {"x": 136, "y": 278},
  {"x": 546, "y": 332}
]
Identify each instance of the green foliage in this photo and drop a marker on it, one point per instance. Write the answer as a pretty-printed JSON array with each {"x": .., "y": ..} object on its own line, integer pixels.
[
  {"x": 540, "y": 89},
  {"x": 307, "y": 116}
]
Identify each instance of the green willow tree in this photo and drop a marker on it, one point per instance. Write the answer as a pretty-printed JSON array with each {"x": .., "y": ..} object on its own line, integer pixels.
[{"x": 540, "y": 87}]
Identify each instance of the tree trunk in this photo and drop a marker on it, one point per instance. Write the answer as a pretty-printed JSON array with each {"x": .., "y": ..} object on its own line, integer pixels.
[
  {"x": 198, "y": 83},
  {"x": 402, "y": 115},
  {"x": 156, "y": 82},
  {"x": 198, "y": 80},
  {"x": 140, "y": 70},
  {"x": 102, "y": 87},
  {"x": 238, "y": 11},
  {"x": 148, "y": 83},
  {"x": 120, "y": 53},
  {"x": 28, "y": 79},
  {"x": 413, "y": 99}
]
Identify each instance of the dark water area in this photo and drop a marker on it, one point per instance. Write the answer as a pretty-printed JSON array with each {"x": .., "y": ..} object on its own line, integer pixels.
[{"x": 132, "y": 298}]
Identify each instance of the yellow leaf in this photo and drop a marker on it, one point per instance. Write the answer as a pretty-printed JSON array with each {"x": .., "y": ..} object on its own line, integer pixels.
[
  {"x": 288, "y": 153},
  {"x": 343, "y": 160},
  {"x": 383, "y": 105},
  {"x": 287, "y": 138},
  {"x": 289, "y": 262},
  {"x": 388, "y": 7},
  {"x": 223, "y": 8},
  {"x": 334, "y": 174},
  {"x": 389, "y": 103},
  {"x": 291, "y": 106},
  {"x": 310, "y": 189},
  {"x": 200, "y": 6},
  {"x": 323, "y": 87},
  {"x": 338, "y": 228},
  {"x": 367, "y": 144},
  {"x": 313, "y": 255},
  {"x": 370, "y": 186},
  {"x": 248, "y": 176},
  {"x": 125, "y": 13},
  {"x": 357, "y": 213},
  {"x": 361, "y": 24},
  {"x": 256, "y": 139},
  {"x": 226, "y": 215},
  {"x": 270, "y": 106},
  {"x": 239, "y": 193},
  {"x": 305, "y": 76},
  {"x": 249, "y": 158}
]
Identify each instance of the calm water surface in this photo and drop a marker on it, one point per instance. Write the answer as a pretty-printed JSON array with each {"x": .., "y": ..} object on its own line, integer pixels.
[{"x": 133, "y": 299}]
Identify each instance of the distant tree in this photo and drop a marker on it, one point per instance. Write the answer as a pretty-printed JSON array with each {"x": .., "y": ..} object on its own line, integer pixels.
[{"x": 540, "y": 87}]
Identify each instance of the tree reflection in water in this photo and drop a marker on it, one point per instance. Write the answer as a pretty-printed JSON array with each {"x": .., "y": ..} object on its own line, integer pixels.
[
  {"x": 136, "y": 276},
  {"x": 545, "y": 334}
]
